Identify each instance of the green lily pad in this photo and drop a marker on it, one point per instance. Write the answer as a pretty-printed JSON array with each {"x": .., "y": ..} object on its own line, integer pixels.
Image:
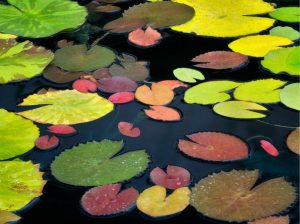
[
  {"x": 40, "y": 18},
  {"x": 283, "y": 60},
  {"x": 285, "y": 31},
  {"x": 210, "y": 92},
  {"x": 78, "y": 58},
  {"x": 239, "y": 109},
  {"x": 287, "y": 14},
  {"x": 20, "y": 183},
  {"x": 19, "y": 61},
  {"x": 290, "y": 96},
  {"x": 95, "y": 163},
  {"x": 17, "y": 135},
  {"x": 188, "y": 75},
  {"x": 259, "y": 91}
]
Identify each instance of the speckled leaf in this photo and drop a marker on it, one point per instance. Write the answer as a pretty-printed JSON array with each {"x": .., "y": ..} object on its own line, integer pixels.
[
  {"x": 285, "y": 31},
  {"x": 290, "y": 96},
  {"x": 95, "y": 163},
  {"x": 287, "y": 14},
  {"x": 66, "y": 107},
  {"x": 19, "y": 61}
]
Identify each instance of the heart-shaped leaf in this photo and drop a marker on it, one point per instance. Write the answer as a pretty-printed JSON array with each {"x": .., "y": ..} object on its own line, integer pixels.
[
  {"x": 46, "y": 143},
  {"x": 172, "y": 84},
  {"x": 272, "y": 220},
  {"x": 61, "y": 129},
  {"x": 84, "y": 86},
  {"x": 146, "y": 38},
  {"x": 116, "y": 84},
  {"x": 95, "y": 163},
  {"x": 188, "y": 75},
  {"x": 163, "y": 113},
  {"x": 285, "y": 31},
  {"x": 287, "y": 14},
  {"x": 293, "y": 141},
  {"x": 127, "y": 129},
  {"x": 290, "y": 96},
  {"x": 121, "y": 97}
]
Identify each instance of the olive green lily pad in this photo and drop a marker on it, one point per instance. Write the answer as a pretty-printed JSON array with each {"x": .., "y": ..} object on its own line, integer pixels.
[
  {"x": 210, "y": 92},
  {"x": 290, "y": 96},
  {"x": 96, "y": 163},
  {"x": 259, "y": 91},
  {"x": 285, "y": 31},
  {"x": 40, "y": 18},
  {"x": 283, "y": 60},
  {"x": 78, "y": 58},
  {"x": 287, "y": 14},
  {"x": 17, "y": 135},
  {"x": 20, "y": 183},
  {"x": 19, "y": 61}
]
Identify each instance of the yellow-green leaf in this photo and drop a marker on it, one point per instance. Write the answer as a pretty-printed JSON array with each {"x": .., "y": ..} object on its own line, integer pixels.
[
  {"x": 290, "y": 96},
  {"x": 66, "y": 107},
  {"x": 7, "y": 36},
  {"x": 188, "y": 75},
  {"x": 259, "y": 91},
  {"x": 8, "y": 217},
  {"x": 259, "y": 45}
]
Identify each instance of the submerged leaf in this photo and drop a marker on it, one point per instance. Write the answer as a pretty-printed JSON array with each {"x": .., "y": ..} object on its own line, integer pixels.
[
  {"x": 146, "y": 38},
  {"x": 127, "y": 129},
  {"x": 116, "y": 84},
  {"x": 163, "y": 113},
  {"x": 46, "y": 143},
  {"x": 290, "y": 96},
  {"x": 285, "y": 31},
  {"x": 232, "y": 197},
  {"x": 287, "y": 14},
  {"x": 188, "y": 75},
  {"x": 293, "y": 141},
  {"x": 8, "y": 217}
]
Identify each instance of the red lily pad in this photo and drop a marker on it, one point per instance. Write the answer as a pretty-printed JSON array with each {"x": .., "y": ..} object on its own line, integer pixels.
[
  {"x": 220, "y": 60},
  {"x": 108, "y": 200},
  {"x": 84, "y": 86},
  {"x": 116, "y": 84},
  {"x": 46, "y": 143},
  {"x": 122, "y": 97},
  {"x": 214, "y": 146},
  {"x": 62, "y": 129},
  {"x": 173, "y": 84},
  {"x": 127, "y": 129},
  {"x": 146, "y": 38},
  {"x": 269, "y": 148},
  {"x": 163, "y": 113},
  {"x": 175, "y": 177}
]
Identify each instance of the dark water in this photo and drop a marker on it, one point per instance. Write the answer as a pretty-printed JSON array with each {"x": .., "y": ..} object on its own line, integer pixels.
[{"x": 60, "y": 203}]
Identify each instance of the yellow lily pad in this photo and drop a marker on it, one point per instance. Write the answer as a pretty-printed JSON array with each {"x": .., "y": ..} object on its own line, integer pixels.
[{"x": 6, "y": 217}]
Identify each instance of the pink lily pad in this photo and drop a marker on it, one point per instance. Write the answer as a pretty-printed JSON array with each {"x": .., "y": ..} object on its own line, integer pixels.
[
  {"x": 121, "y": 97},
  {"x": 116, "y": 84},
  {"x": 127, "y": 129},
  {"x": 46, "y": 143},
  {"x": 84, "y": 86}
]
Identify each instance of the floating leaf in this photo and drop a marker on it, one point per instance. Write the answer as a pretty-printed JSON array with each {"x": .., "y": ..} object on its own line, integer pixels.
[
  {"x": 259, "y": 91},
  {"x": 209, "y": 92},
  {"x": 188, "y": 75},
  {"x": 285, "y": 31},
  {"x": 220, "y": 60},
  {"x": 121, "y": 97},
  {"x": 19, "y": 61},
  {"x": 108, "y": 200},
  {"x": 154, "y": 201},
  {"x": 283, "y": 60},
  {"x": 116, "y": 84},
  {"x": 64, "y": 43},
  {"x": 7, "y": 36},
  {"x": 272, "y": 220},
  {"x": 20, "y": 183},
  {"x": 17, "y": 135},
  {"x": 172, "y": 84},
  {"x": 57, "y": 75},
  {"x": 127, "y": 129},
  {"x": 47, "y": 143},
  {"x": 175, "y": 177},
  {"x": 287, "y": 14},
  {"x": 259, "y": 45},
  {"x": 290, "y": 96},
  {"x": 240, "y": 109},
  {"x": 107, "y": 9},
  {"x": 232, "y": 197},
  {"x": 293, "y": 141},
  {"x": 101, "y": 73},
  {"x": 40, "y": 18},
  {"x": 125, "y": 25},
  {"x": 157, "y": 95},
  {"x": 269, "y": 148},
  {"x": 61, "y": 129},
  {"x": 146, "y": 38},
  {"x": 226, "y": 18},
  {"x": 214, "y": 146},
  {"x": 78, "y": 58},
  {"x": 84, "y": 86},
  {"x": 8, "y": 217},
  {"x": 66, "y": 107},
  {"x": 163, "y": 113},
  {"x": 91, "y": 164}
]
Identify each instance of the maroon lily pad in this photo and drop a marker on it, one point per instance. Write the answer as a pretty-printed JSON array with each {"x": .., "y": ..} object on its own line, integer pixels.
[
  {"x": 62, "y": 129},
  {"x": 122, "y": 97},
  {"x": 116, "y": 84},
  {"x": 46, "y": 143},
  {"x": 127, "y": 129},
  {"x": 84, "y": 86}
]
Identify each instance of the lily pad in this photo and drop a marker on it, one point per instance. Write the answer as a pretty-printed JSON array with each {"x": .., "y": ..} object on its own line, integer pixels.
[
  {"x": 259, "y": 91},
  {"x": 46, "y": 143},
  {"x": 240, "y": 109},
  {"x": 145, "y": 38},
  {"x": 8, "y": 217},
  {"x": 285, "y": 31},
  {"x": 163, "y": 113},
  {"x": 57, "y": 75},
  {"x": 226, "y": 18},
  {"x": 173, "y": 84},
  {"x": 84, "y": 86},
  {"x": 95, "y": 163},
  {"x": 19, "y": 61},
  {"x": 20, "y": 183},
  {"x": 259, "y": 45},
  {"x": 293, "y": 141},
  {"x": 66, "y": 107},
  {"x": 14, "y": 140},
  {"x": 287, "y": 14},
  {"x": 125, "y": 25},
  {"x": 283, "y": 60},
  {"x": 116, "y": 84},
  {"x": 210, "y": 92},
  {"x": 269, "y": 148},
  {"x": 40, "y": 18},
  {"x": 78, "y": 58},
  {"x": 127, "y": 129},
  {"x": 188, "y": 75},
  {"x": 122, "y": 97},
  {"x": 232, "y": 197},
  {"x": 272, "y": 220},
  {"x": 61, "y": 129},
  {"x": 290, "y": 96}
]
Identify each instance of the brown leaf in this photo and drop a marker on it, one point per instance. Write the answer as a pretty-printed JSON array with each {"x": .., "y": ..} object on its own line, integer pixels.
[{"x": 125, "y": 25}]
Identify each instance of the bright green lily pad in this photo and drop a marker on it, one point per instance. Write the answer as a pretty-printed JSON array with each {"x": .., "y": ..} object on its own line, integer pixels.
[
  {"x": 210, "y": 92},
  {"x": 259, "y": 91},
  {"x": 40, "y": 18},
  {"x": 95, "y": 163},
  {"x": 188, "y": 75},
  {"x": 20, "y": 183},
  {"x": 290, "y": 96},
  {"x": 19, "y": 61},
  {"x": 17, "y": 135},
  {"x": 285, "y": 31},
  {"x": 240, "y": 109},
  {"x": 287, "y": 14},
  {"x": 78, "y": 58},
  {"x": 283, "y": 60}
]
